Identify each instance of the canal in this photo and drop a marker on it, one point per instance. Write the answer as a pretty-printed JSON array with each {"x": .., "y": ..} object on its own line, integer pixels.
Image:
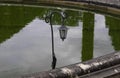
[{"x": 25, "y": 38}]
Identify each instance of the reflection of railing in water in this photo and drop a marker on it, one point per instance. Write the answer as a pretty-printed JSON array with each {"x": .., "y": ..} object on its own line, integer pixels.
[{"x": 79, "y": 69}]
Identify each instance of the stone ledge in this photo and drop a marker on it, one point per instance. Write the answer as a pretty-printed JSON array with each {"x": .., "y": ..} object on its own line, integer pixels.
[
  {"x": 106, "y": 65},
  {"x": 71, "y": 4}
]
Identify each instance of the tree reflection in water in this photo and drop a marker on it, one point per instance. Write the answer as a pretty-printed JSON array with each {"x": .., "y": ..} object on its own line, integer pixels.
[
  {"x": 15, "y": 18},
  {"x": 114, "y": 31},
  {"x": 87, "y": 36}
]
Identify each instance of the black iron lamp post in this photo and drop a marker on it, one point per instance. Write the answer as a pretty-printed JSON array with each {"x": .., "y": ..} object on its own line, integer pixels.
[{"x": 63, "y": 31}]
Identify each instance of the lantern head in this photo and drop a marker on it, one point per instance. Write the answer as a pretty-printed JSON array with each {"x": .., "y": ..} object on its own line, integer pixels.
[{"x": 63, "y": 32}]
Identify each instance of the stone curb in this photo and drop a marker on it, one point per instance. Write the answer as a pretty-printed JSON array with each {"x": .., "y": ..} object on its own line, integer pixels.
[{"x": 104, "y": 9}]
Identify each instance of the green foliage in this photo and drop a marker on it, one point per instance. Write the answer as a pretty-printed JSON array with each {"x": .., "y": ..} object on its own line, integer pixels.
[
  {"x": 88, "y": 36},
  {"x": 114, "y": 31},
  {"x": 10, "y": 22},
  {"x": 73, "y": 18},
  {"x": 14, "y": 18}
]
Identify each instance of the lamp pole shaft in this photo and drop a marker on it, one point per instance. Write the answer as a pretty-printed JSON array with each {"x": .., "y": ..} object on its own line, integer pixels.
[
  {"x": 49, "y": 19},
  {"x": 52, "y": 37}
]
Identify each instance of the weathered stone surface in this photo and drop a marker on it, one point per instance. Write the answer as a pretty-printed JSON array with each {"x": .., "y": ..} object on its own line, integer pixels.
[
  {"x": 82, "y": 68},
  {"x": 110, "y": 72},
  {"x": 108, "y": 3},
  {"x": 111, "y": 7}
]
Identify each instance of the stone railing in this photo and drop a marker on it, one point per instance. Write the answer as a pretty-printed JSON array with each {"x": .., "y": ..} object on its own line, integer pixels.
[
  {"x": 83, "y": 68},
  {"x": 111, "y": 3}
]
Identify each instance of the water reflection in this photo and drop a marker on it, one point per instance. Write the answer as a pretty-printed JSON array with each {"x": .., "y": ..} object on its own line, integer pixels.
[
  {"x": 87, "y": 36},
  {"x": 25, "y": 44},
  {"x": 24, "y": 15},
  {"x": 14, "y": 18},
  {"x": 114, "y": 31}
]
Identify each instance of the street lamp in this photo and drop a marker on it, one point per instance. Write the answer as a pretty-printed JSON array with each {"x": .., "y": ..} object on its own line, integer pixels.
[{"x": 62, "y": 30}]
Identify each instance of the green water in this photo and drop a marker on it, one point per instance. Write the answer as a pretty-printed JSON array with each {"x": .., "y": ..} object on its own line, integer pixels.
[{"x": 25, "y": 39}]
